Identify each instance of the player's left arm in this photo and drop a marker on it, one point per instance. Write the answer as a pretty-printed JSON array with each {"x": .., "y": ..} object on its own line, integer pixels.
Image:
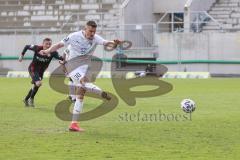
[
  {"x": 25, "y": 49},
  {"x": 101, "y": 41},
  {"x": 66, "y": 41},
  {"x": 62, "y": 59}
]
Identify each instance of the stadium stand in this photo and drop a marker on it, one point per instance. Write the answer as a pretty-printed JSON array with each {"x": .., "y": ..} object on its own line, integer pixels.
[
  {"x": 55, "y": 14},
  {"x": 226, "y": 12}
]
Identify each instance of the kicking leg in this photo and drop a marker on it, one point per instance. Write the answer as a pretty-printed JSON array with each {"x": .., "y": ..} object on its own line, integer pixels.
[{"x": 90, "y": 87}]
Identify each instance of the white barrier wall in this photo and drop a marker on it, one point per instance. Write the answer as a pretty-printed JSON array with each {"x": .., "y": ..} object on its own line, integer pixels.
[
  {"x": 12, "y": 45},
  {"x": 200, "y": 46},
  {"x": 177, "y": 46}
]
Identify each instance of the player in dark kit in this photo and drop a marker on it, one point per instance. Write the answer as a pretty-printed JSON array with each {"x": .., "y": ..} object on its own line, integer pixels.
[{"x": 37, "y": 67}]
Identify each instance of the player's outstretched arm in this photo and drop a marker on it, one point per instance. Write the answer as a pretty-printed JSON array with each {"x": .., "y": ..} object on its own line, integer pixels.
[
  {"x": 115, "y": 41},
  {"x": 52, "y": 49},
  {"x": 111, "y": 45}
]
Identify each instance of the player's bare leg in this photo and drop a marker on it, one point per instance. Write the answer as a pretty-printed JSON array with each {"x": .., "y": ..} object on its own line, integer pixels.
[{"x": 77, "y": 110}]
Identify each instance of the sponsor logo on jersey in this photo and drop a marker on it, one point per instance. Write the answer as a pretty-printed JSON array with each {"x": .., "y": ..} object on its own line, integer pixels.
[
  {"x": 66, "y": 39},
  {"x": 41, "y": 59}
]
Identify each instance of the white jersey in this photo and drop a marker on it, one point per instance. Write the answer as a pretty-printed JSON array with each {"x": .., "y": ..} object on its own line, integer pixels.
[{"x": 78, "y": 45}]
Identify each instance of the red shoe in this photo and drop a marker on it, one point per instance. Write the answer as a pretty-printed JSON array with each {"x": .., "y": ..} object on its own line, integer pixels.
[{"x": 75, "y": 128}]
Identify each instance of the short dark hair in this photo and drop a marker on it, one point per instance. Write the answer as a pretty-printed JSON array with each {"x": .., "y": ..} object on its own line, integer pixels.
[
  {"x": 92, "y": 24},
  {"x": 47, "y": 39}
]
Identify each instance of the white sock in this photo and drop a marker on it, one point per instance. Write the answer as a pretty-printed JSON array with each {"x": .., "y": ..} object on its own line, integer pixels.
[
  {"x": 92, "y": 88},
  {"x": 73, "y": 96},
  {"x": 77, "y": 109},
  {"x": 72, "y": 90}
]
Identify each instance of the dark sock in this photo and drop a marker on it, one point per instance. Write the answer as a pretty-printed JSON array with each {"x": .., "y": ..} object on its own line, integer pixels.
[
  {"x": 28, "y": 95},
  {"x": 34, "y": 91}
]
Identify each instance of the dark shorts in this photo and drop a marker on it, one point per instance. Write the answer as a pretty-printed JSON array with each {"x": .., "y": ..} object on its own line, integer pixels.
[{"x": 36, "y": 75}]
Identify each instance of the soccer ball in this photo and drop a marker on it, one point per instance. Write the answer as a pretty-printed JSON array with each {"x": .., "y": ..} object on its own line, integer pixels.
[{"x": 188, "y": 105}]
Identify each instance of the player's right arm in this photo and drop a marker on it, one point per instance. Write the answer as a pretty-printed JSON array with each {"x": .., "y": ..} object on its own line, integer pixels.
[
  {"x": 52, "y": 49},
  {"x": 66, "y": 41},
  {"x": 27, "y": 47}
]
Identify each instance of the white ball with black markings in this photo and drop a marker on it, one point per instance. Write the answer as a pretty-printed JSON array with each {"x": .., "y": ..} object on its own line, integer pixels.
[{"x": 188, "y": 105}]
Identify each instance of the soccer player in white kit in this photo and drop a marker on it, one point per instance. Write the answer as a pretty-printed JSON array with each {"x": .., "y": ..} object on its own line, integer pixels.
[{"x": 79, "y": 44}]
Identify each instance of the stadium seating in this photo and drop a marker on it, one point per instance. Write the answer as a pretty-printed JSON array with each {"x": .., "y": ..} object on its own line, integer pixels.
[
  {"x": 226, "y": 12},
  {"x": 55, "y": 14}
]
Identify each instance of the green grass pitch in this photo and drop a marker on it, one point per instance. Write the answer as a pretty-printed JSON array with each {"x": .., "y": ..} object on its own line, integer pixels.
[{"x": 212, "y": 132}]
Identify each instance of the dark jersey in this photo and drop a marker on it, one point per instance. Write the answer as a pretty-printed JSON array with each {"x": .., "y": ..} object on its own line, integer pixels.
[{"x": 40, "y": 62}]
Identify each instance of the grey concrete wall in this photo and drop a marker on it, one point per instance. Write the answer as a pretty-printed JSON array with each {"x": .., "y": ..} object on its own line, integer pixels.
[
  {"x": 138, "y": 12},
  {"x": 201, "y": 46},
  {"x": 160, "y": 6},
  {"x": 201, "y": 5}
]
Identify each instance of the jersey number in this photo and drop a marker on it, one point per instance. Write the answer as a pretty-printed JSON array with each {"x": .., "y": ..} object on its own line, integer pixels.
[{"x": 77, "y": 75}]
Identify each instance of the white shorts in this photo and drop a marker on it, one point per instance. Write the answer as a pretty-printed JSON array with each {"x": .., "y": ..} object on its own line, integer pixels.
[{"x": 77, "y": 74}]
